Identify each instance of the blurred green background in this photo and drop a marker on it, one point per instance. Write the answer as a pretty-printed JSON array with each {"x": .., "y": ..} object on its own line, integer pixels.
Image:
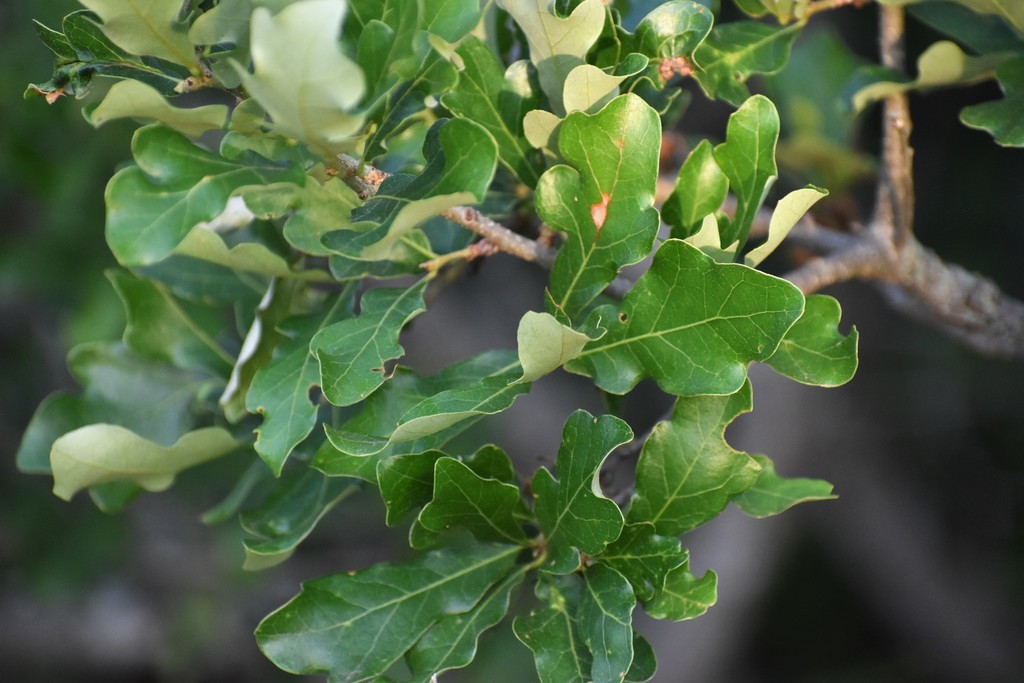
[{"x": 915, "y": 574}]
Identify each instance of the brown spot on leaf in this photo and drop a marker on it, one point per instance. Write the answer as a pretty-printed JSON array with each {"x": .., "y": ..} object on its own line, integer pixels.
[
  {"x": 599, "y": 211},
  {"x": 671, "y": 66}
]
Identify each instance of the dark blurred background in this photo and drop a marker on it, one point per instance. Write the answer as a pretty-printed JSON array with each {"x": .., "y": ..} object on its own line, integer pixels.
[{"x": 916, "y": 573}]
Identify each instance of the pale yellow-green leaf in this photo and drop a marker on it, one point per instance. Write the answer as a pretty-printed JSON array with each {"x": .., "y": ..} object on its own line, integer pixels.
[
  {"x": 587, "y": 89},
  {"x": 788, "y": 212},
  {"x": 943, "y": 63},
  {"x": 206, "y": 245},
  {"x": 134, "y": 99},
  {"x": 545, "y": 344},
  {"x": 541, "y": 129},
  {"x": 411, "y": 215},
  {"x": 146, "y": 27},
  {"x": 103, "y": 453},
  {"x": 708, "y": 240},
  {"x": 301, "y": 76},
  {"x": 557, "y": 44}
]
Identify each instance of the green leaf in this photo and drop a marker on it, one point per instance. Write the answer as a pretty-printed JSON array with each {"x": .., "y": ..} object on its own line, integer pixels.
[
  {"x": 451, "y": 642},
  {"x": 700, "y": 189},
  {"x": 772, "y": 494},
  {"x": 644, "y": 663},
  {"x": 588, "y": 89},
  {"x": 461, "y": 157},
  {"x": 354, "y": 626},
  {"x": 450, "y": 19},
  {"x": 813, "y": 351},
  {"x": 643, "y": 557},
  {"x": 134, "y": 99},
  {"x": 225, "y": 24},
  {"x": 95, "y": 55},
  {"x": 709, "y": 241},
  {"x": 301, "y": 76},
  {"x": 498, "y": 102},
  {"x": 572, "y": 512},
  {"x": 489, "y": 509},
  {"x": 289, "y": 514},
  {"x": 280, "y": 390},
  {"x": 164, "y": 328},
  {"x": 687, "y": 472},
  {"x": 371, "y": 430},
  {"x": 176, "y": 185},
  {"x": 557, "y": 44},
  {"x": 205, "y": 244},
  {"x": 674, "y": 29},
  {"x": 406, "y": 483},
  {"x": 787, "y": 213},
  {"x": 102, "y": 453},
  {"x": 977, "y": 32},
  {"x": 605, "y": 202},
  {"x": 545, "y": 344},
  {"x": 57, "y": 42},
  {"x": 736, "y": 51},
  {"x": 684, "y": 596},
  {"x": 691, "y": 324},
  {"x": 606, "y": 623},
  {"x": 747, "y": 157},
  {"x": 1011, "y": 12},
  {"x": 942, "y": 64},
  {"x": 313, "y": 209},
  {"x": 146, "y": 27},
  {"x": 153, "y": 400},
  {"x": 1003, "y": 118},
  {"x": 352, "y": 353},
  {"x": 552, "y": 632}
]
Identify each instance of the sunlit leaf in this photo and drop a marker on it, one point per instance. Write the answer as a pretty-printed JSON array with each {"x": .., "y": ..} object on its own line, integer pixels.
[
  {"x": 700, "y": 189},
  {"x": 691, "y": 324},
  {"x": 134, "y": 99},
  {"x": 604, "y": 202},
  {"x": 787, "y": 214},
  {"x": 545, "y": 344},
  {"x": 737, "y": 50},
  {"x": 146, "y": 27}
]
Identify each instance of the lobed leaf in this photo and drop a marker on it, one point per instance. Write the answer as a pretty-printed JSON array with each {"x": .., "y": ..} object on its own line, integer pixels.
[
  {"x": 606, "y": 623},
  {"x": 354, "y": 626},
  {"x": 787, "y": 214},
  {"x": 605, "y": 202},
  {"x": 691, "y": 324},
  {"x": 573, "y": 513},
  {"x": 813, "y": 350},
  {"x": 644, "y": 557},
  {"x": 137, "y": 100},
  {"x": 1002, "y": 118},
  {"x": 552, "y": 631},
  {"x": 684, "y": 596},
  {"x": 146, "y": 27},
  {"x": 687, "y": 473},
  {"x": 546, "y": 344},
  {"x": 772, "y": 494},
  {"x": 736, "y": 51}
]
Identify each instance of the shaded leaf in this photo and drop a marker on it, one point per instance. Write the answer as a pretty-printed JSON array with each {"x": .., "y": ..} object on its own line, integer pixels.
[
  {"x": 498, "y": 102},
  {"x": 103, "y": 453},
  {"x": 489, "y": 509},
  {"x": 353, "y": 626},
  {"x": 280, "y": 390},
  {"x": 814, "y": 351},
  {"x": 301, "y": 76},
  {"x": 151, "y": 207},
  {"x": 687, "y": 473},
  {"x": 605, "y": 202},
  {"x": 737, "y": 50},
  {"x": 552, "y": 631},
  {"x": 289, "y": 514},
  {"x": 1011, "y": 12},
  {"x": 573, "y": 513},
  {"x": 644, "y": 663},
  {"x": 406, "y": 482},
  {"x": 691, "y": 324},
  {"x": 643, "y": 557},
  {"x": 606, "y": 623},
  {"x": 684, "y": 596},
  {"x": 353, "y": 353},
  {"x": 451, "y": 642},
  {"x": 700, "y": 189},
  {"x": 461, "y": 157},
  {"x": 1004, "y": 118},
  {"x": 772, "y": 494},
  {"x": 747, "y": 157}
]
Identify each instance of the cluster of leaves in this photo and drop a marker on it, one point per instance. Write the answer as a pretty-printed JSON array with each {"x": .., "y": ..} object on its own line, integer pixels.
[{"x": 247, "y": 259}]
